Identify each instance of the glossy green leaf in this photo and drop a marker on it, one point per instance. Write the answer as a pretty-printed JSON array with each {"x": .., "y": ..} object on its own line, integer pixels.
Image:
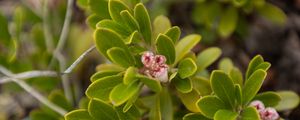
[
  {"x": 239, "y": 3},
  {"x": 100, "y": 7},
  {"x": 166, "y": 106},
  {"x": 115, "y": 7},
  {"x": 289, "y": 100},
  {"x": 130, "y": 75},
  {"x": 41, "y": 115},
  {"x": 102, "y": 74},
  {"x": 226, "y": 65},
  {"x": 133, "y": 38},
  {"x": 173, "y": 33},
  {"x": 186, "y": 68},
  {"x": 153, "y": 84},
  {"x": 209, "y": 105},
  {"x": 250, "y": 113},
  {"x": 129, "y": 20},
  {"x": 142, "y": 17},
  {"x": 4, "y": 36},
  {"x": 109, "y": 67},
  {"x": 238, "y": 94},
  {"x": 201, "y": 85},
  {"x": 165, "y": 46},
  {"x": 207, "y": 57},
  {"x": 131, "y": 101},
  {"x": 225, "y": 115},
  {"x": 80, "y": 114},
  {"x": 195, "y": 116},
  {"x": 100, "y": 110},
  {"x": 264, "y": 66},
  {"x": 101, "y": 88},
  {"x": 92, "y": 20},
  {"x": 256, "y": 61},
  {"x": 189, "y": 100},
  {"x": 172, "y": 76},
  {"x": 114, "y": 26},
  {"x": 160, "y": 25},
  {"x": 228, "y": 22},
  {"x": 121, "y": 57},
  {"x": 270, "y": 99},
  {"x": 272, "y": 13},
  {"x": 106, "y": 39},
  {"x": 132, "y": 114},
  {"x": 121, "y": 93},
  {"x": 252, "y": 85},
  {"x": 155, "y": 113},
  {"x": 185, "y": 45},
  {"x": 237, "y": 76},
  {"x": 182, "y": 85},
  {"x": 223, "y": 87},
  {"x": 259, "y": 3}
]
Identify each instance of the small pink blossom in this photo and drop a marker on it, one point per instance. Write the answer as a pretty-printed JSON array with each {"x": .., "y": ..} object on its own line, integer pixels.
[
  {"x": 269, "y": 114},
  {"x": 155, "y": 66},
  {"x": 258, "y": 105}
]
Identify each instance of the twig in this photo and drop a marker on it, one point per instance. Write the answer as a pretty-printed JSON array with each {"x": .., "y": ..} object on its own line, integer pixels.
[
  {"x": 46, "y": 27},
  {"x": 29, "y": 74},
  {"x": 33, "y": 92},
  {"x": 78, "y": 60}
]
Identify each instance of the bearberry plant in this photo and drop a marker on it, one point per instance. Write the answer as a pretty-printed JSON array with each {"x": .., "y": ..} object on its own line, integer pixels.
[{"x": 150, "y": 74}]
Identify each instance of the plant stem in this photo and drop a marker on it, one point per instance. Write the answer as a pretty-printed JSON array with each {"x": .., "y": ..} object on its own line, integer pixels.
[
  {"x": 29, "y": 74},
  {"x": 46, "y": 27}
]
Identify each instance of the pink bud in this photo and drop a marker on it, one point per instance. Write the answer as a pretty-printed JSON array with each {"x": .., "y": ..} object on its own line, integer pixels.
[
  {"x": 148, "y": 59},
  {"x": 161, "y": 74},
  {"x": 258, "y": 105},
  {"x": 269, "y": 114},
  {"x": 160, "y": 59}
]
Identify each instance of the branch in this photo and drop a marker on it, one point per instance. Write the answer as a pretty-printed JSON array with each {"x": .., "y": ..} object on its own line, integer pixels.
[
  {"x": 28, "y": 74},
  {"x": 78, "y": 60},
  {"x": 32, "y": 91}
]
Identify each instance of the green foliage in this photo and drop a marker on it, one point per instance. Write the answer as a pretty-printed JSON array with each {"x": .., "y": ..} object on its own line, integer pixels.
[
  {"x": 186, "y": 68},
  {"x": 289, "y": 100},
  {"x": 165, "y": 46},
  {"x": 207, "y": 57}
]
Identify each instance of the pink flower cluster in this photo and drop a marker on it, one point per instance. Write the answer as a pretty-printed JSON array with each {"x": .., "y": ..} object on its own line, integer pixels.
[
  {"x": 155, "y": 66},
  {"x": 265, "y": 113}
]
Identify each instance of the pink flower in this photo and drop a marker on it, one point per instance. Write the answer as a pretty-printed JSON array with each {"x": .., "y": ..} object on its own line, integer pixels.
[
  {"x": 258, "y": 105},
  {"x": 155, "y": 66},
  {"x": 269, "y": 114}
]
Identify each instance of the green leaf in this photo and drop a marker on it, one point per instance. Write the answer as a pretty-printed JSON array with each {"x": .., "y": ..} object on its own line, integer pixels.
[
  {"x": 194, "y": 116},
  {"x": 270, "y": 99},
  {"x": 132, "y": 114},
  {"x": 237, "y": 76},
  {"x": 115, "y": 7},
  {"x": 160, "y": 25},
  {"x": 100, "y": 7},
  {"x": 102, "y": 74},
  {"x": 252, "y": 85},
  {"x": 165, "y": 46},
  {"x": 109, "y": 67},
  {"x": 80, "y": 114},
  {"x": 101, "y": 88},
  {"x": 130, "y": 75},
  {"x": 153, "y": 84},
  {"x": 207, "y": 57},
  {"x": 238, "y": 94},
  {"x": 228, "y": 22},
  {"x": 256, "y": 61},
  {"x": 133, "y": 38},
  {"x": 185, "y": 45},
  {"x": 272, "y": 13},
  {"x": 131, "y": 101},
  {"x": 209, "y": 105},
  {"x": 121, "y": 93},
  {"x": 173, "y": 33},
  {"x": 129, "y": 20},
  {"x": 100, "y": 110},
  {"x": 186, "y": 68},
  {"x": 106, "y": 39},
  {"x": 142, "y": 17},
  {"x": 259, "y": 3},
  {"x": 226, "y": 65},
  {"x": 264, "y": 66},
  {"x": 41, "y": 115},
  {"x": 92, "y": 20},
  {"x": 289, "y": 100},
  {"x": 223, "y": 87},
  {"x": 225, "y": 115},
  {"x": 182, "y": 85},
  {"x": 114, "y": 26},
  {"x": 239, "y": 3},
  {"x": 57, "y": 97},
  {"x": 201, "y": 85},
  {"x": 119, "y": 56},
  {"x": 250, "y": 113},
  {"x": 155, "y": 113},
  {"x": 189, "y": 100},
  {"x": 166, "y": 106}
]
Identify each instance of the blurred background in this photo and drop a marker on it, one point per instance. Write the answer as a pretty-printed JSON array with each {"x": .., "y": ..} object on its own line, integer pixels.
[{"x": 242, "y": 30}]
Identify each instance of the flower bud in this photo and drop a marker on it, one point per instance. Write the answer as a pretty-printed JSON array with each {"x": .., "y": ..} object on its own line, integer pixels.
[
  {"x": 269, "y": 114},
  {"x": 147, "y": 59},
  {"x": 258, "y": 105}
]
